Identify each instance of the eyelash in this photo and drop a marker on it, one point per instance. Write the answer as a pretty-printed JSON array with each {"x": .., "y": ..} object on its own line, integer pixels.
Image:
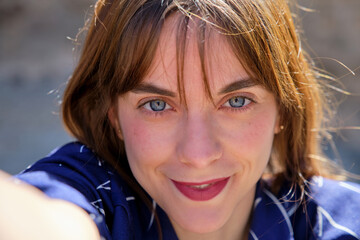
[
  {"x": 168, "y": 107},
  {"x": 248, "y": 103},
  {"x": 148, "y": 110}
]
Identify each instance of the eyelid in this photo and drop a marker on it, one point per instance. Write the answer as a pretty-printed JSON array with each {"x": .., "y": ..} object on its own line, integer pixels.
[
  {"x": 167, "y": 106},
  {"x": 246, "y": 95},
  {"x": 245, "y": 104}
]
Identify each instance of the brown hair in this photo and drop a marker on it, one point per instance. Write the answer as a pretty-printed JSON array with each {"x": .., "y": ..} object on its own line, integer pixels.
[{"x": 120, "y": 45}]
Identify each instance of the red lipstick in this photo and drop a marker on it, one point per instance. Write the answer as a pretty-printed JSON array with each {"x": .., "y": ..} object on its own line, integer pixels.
[{"x": 202, "y": 191}]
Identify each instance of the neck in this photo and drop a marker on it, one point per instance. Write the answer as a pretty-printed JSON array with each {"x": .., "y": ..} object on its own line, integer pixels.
[{"x": 236, "y": 228}]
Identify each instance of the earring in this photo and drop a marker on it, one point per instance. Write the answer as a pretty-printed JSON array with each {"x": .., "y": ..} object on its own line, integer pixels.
[{"x": 282, "y": 127}]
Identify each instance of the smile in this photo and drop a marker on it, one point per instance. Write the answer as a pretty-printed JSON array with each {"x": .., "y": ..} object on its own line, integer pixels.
[{"x": 202, "y": 191}]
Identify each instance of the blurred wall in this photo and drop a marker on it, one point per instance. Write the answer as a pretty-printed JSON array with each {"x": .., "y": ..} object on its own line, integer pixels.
[
  {"x": 36, "y": 59},
  {"x": 332, "y": 33}
]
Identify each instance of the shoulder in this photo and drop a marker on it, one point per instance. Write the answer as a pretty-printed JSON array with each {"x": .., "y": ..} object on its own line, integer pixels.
[
  {"x": 323, "y": 190},
  {"x": 330, "y": 210},
  {"x": 73, "y": 164},
  {"x": 336, "y": 205},
  {"x": 76, "y": 174}
]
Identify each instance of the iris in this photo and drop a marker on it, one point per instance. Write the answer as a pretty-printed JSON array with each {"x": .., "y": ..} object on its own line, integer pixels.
[
  {"x": 157, "y": 105},
  {"x": 237, "y": 102}
]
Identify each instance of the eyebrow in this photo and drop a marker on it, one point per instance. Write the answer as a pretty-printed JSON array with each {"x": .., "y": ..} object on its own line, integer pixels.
[
  {"x": 237, "y": 85},
  {"x": 150, "y": 88}
]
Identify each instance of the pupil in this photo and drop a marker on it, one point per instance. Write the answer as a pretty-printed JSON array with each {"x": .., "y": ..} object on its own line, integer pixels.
[
  {"x": 237, "y": 102},
  {"x": 157, "y": 105}
]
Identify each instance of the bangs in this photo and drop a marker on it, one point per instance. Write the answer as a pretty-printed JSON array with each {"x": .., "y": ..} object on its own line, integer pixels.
[
  {"x": 140, "y": 40},
  {"x": 137, "y": 46},
  {"x": 260, "y": 34}
]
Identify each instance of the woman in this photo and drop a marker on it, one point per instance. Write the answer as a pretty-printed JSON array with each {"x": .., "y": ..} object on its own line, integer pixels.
[{"x": 195, "y": 120}]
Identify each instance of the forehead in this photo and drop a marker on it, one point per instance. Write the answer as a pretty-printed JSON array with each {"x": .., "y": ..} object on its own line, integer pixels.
[{"x": 188, "y": 49}]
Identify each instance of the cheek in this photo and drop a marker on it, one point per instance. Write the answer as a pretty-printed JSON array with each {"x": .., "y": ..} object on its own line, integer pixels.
[
  {"x": 144, "y": 145},
  {"x": 260, "y": 130},
  {"x": 253, "y": 138},
  {"x": 137, "y": 140},
  {"x": 254, "y": 152}
]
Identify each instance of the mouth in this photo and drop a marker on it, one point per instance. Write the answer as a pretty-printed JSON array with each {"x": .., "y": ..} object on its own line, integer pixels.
[{"x": 203, "y": 191}]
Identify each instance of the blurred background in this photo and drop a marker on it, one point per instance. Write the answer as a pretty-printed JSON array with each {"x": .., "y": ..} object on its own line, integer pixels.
[{"x": 36, "y": 59}]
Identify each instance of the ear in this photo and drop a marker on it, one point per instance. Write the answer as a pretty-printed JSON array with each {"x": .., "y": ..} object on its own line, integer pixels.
[{"x": 114, "y": 121}]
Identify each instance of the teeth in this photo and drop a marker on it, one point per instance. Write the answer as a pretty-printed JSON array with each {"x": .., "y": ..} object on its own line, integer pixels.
[{"x": 202, "y": 186}]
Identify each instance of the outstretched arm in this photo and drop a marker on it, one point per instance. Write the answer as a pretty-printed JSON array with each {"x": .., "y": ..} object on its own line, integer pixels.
[{"x": 26, "y": 213}]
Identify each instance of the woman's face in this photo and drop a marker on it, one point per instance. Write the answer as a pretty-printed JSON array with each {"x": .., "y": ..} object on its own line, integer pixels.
[{"x": 200, "y": 161}]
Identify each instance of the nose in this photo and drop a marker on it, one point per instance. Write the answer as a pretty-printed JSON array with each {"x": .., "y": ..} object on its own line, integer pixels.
[{"x": 198, "y": 145}]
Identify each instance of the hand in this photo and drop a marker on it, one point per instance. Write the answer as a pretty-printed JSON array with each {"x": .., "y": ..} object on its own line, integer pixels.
[{"x": 27, "y": 213}]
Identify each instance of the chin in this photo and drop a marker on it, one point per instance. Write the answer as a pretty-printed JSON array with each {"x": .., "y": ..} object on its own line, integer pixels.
[
  {"x": 201, "y": 223},
  {"x": 205, "y": 228}
]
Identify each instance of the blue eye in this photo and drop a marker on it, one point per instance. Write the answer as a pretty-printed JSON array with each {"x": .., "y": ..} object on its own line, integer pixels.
[
  {"x": 156, "y": 105},
  {"x": 237, "y": 102}
]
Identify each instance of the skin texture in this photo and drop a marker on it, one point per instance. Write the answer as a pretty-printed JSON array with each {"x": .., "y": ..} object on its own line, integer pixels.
[
  {"x": 200, "y": 141},
  {"x": 26, "y": 213}
]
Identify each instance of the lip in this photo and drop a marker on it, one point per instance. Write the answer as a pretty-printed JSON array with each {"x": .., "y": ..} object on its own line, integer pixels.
[{"x": 198, "y": 191}]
